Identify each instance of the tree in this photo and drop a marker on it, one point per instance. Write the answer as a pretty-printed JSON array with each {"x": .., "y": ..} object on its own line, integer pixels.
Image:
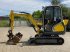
[
  {"x": 37, "y": 14},
  {"x": 69, "y": 13},
  {"x": 64, "y": 10},
  {"x": 55, "y": 2}
]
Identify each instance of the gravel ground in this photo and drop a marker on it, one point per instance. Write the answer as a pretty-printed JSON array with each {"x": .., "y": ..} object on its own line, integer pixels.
[{"x": 27, "y": 33}]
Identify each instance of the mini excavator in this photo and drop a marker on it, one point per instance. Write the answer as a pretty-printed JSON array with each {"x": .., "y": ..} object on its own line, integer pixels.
[{"x": 48, "y": 34}]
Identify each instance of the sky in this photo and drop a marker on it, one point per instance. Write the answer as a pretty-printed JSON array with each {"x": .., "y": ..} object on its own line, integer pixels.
[{"x": 25, "y": 5}]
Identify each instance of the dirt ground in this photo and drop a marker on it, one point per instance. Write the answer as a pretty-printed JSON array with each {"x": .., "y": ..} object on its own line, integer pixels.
[{"x": 27, "y": 33}]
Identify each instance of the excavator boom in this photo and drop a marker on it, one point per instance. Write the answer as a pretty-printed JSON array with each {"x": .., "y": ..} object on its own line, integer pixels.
[{"x": 24, "y": 15}]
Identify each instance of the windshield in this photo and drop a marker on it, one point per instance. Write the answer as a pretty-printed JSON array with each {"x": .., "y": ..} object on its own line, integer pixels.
[
  {"x": 53, "y": 12},
  {"x": 49, "y": 12},
  {"x": 57, "y": 12}
]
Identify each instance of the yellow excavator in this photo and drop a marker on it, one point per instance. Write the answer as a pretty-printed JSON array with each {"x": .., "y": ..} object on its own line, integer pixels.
[{"x": 53, "y": 26}]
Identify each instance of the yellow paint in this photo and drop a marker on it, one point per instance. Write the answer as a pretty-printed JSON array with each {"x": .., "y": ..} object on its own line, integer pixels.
[
  {"x": 58, "y": 27},
  {"x": 65, "y": 21},
  {"x": 26, "y": 16},
  {"x": 12, "y": 20}
]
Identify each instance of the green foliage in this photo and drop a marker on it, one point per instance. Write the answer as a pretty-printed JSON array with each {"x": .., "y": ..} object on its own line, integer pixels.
[
  {"x": 4, "y": 23},
  {"x": 65, "y": 10},
  {"x": 68, "y": 13},
  {"x": 55, "y": 2},
  {"x": 37, "y": 14}
]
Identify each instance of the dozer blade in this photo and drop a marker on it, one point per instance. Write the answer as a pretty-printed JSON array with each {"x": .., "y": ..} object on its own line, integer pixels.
[{"x": 46, "y": 41}]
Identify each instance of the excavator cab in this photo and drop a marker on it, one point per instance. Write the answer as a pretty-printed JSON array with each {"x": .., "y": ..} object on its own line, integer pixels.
[
  {"x": 52, "y": 27},
  {"x": 53, "y": 20}
]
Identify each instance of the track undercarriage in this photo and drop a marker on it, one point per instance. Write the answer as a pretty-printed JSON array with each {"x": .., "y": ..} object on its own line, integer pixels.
[{"x": 46, "y": 40}]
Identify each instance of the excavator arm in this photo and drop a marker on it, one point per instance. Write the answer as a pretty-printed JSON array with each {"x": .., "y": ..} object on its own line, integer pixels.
[{"x": 26, "y": 16}]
